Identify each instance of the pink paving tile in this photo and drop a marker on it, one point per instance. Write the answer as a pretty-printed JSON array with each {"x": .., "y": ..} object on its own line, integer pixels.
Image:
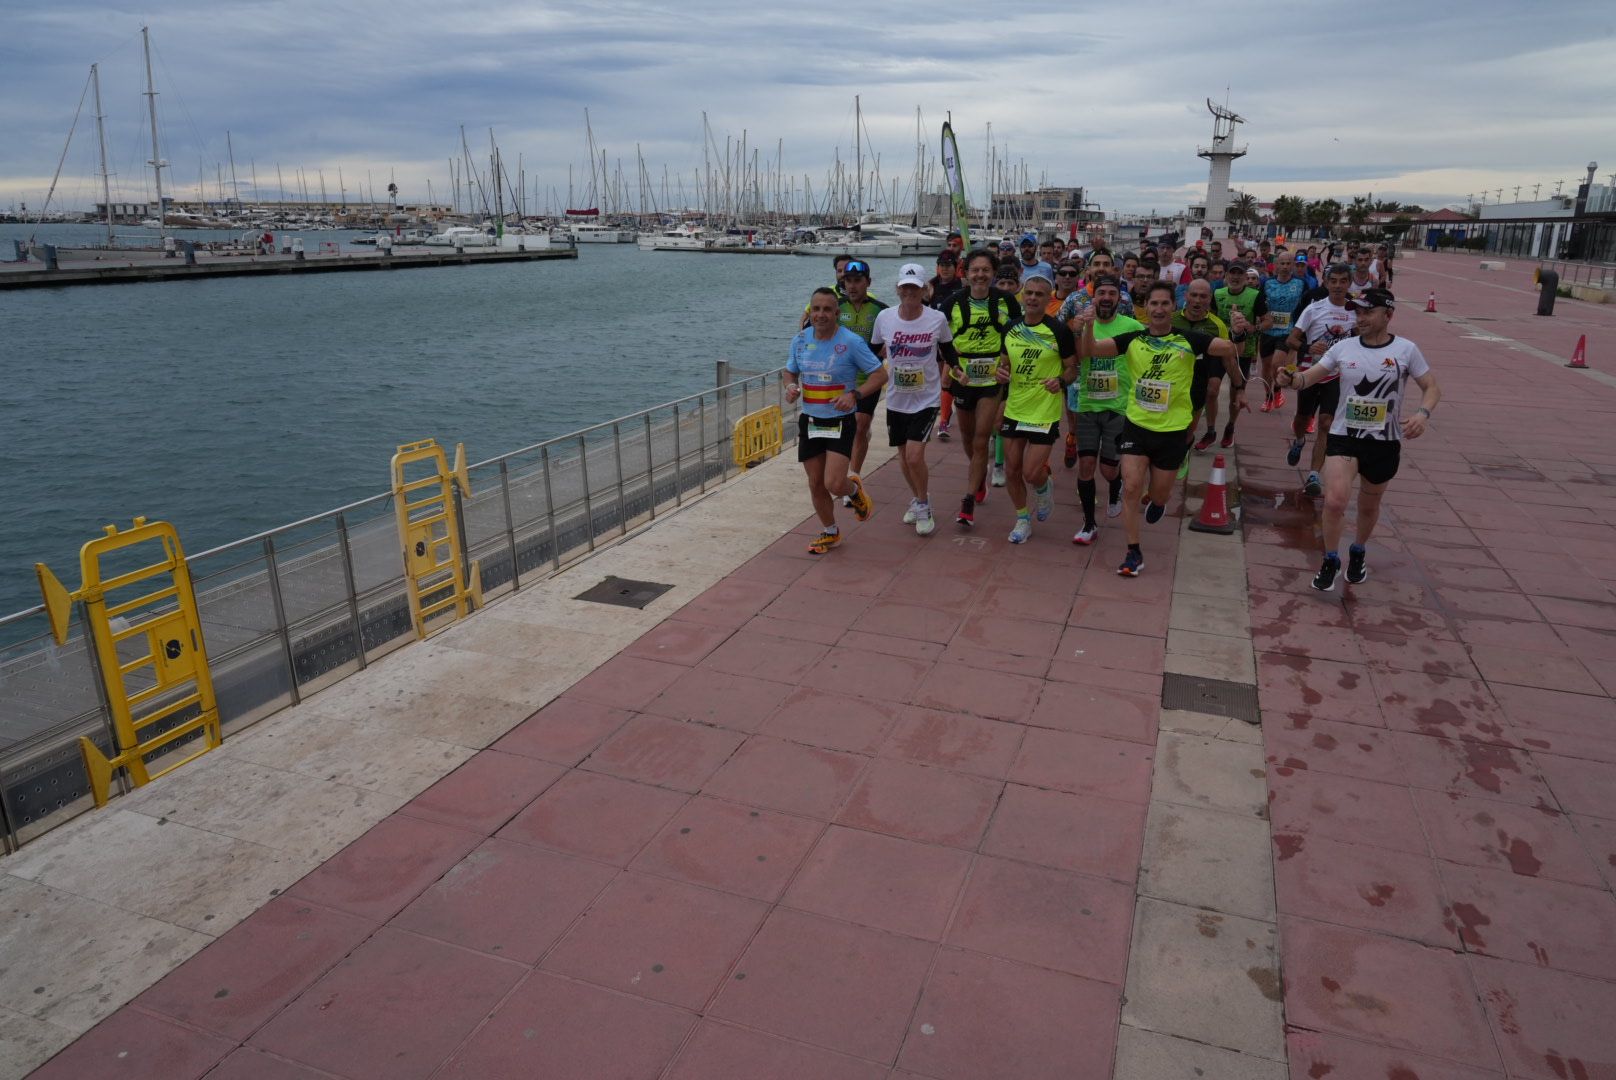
[
  {"x": 1564, "y": 581},
  {"x": 929, "y": 651},
  {"x": 722, "y": 1052},
  {"x": 848, "y": 576},
  {"x": 507, "y": 900},
  {"x": 1576, "y": 613},
  {"x": 1487, "y": 604},
  {"x": 1580, "y": 787},
  {"x": 1305, "y": 608},
  {"x": 731, "y": 848},
  {"x": 834, "y": 721},
  {"x": 1332, "y": 746},
  {"x": 1316, "y": 687},
  {"x": 485, "y": 792},
  {"x": 764, "y": 657},
  {"x": 1038, "y": 575},
  {"x": 1050, "y": 918},
  {"x": 664, "y": 752},
  {"x": 993, "y": 694},
  {"x": 828, "y": 983},
  {"x": 1154, "y": 588},
  {"x": 1085, "y": 764},
  {"x": 869, "y": 674},
  {"x": 555, "y": 1027},
  {"x": 1550, "y": 1025},
  {"x": 1599, "y": 837},
  {"x": 564, "y": 731},
  {"x": 247, "y": 1063},
  {"x": 1348, "y": 809},
  {"x": 1529, "y": 637},
  {"x": 791, "y": 630},
  {"x": 1551, "y": 671},
  {"x": 1440, "y": 705},
  {"x": 1005, "y": 633},
  {"x": 601, "y": 817},
  {"x": 228, "y": 988},
  {"x": 1330, "y": 642},
  {"x": 1119, "y": 616},
  {"x": 1069, "y": 832},
  {"x": 787, "y": 776},
  {"x": 954, "y": 741},
  {"x": 1370, "y": 888},
  {"x": 818, "y": 606},
  {"x": 391, "y": 1011},
  {"x": 969, "y": 655},
  {"x": 1471, "y": 577},
  {"x": 1433, "y": 656},
  {"x": 981, "y": 1016},
  {"x": 913, "y": 621},
  {"x": 1277, "y": 578},
  {"x": 732, "y": 601},
  {"x": 1081, "y": 645},
  {"x": 659, "y": 939},
  {"x": 1484, "y": 770},
  {"x": 932, "y": 805},
  {"x": 881, "y": 882},
  {"x": 626, "y": 682},
  {"x": 1533, "y": 920},
  {"x": 737, "y": 702},
  {"x": 133, "y": 1043},
  {"x": 1528, "y": 841},
  {"x": 1135, "y": 682},
  {"x": 1384, "y": 990},
  {"x": 386, "y": 868},
  {"x": 678, "y": 642},
  {"x": 948, "y": 590},
  {"x": 1095, "y": 710},
  {"x": 1314, "y": 1054}
]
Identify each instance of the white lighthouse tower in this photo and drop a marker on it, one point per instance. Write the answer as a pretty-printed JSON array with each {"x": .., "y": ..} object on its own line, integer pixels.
[{"x": 1221, "y": 154}]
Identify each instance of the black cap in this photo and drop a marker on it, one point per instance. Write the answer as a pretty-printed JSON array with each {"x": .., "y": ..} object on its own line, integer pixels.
[
  {"x": 947, "y": 255},
  {"x": 1373, "y": 298}
]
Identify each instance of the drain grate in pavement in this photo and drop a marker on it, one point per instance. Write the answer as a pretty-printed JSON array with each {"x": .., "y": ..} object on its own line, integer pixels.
[
  {"x": 1216, "y": 696},
  {"x": 624, "y": 592}
]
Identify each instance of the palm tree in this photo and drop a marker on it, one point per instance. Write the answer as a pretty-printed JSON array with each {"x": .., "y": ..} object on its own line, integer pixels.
[
  {"x": 1243, "y": 208},
  {"x": 1323, "y": 213},
  {"x": 1290, "y": 212},
  {"x": 1358, "y": 213}
]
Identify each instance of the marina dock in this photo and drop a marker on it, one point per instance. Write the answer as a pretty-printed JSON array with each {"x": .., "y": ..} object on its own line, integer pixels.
[{"x": 114, "y": 267}]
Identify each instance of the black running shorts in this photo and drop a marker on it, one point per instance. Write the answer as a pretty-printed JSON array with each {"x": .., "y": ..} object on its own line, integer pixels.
[
  {"x": 1037, "y": 434},
  {"x": 866, "y": 405},
  {"x": 966, "y": 397},
  {"x": 905, "y": 427},
  {"x": 1165, "y": 449},
  {"x": 1321, "y": 398},
  {"x": 816, "y": 436},
  {"x": 1377, "y": 458}
]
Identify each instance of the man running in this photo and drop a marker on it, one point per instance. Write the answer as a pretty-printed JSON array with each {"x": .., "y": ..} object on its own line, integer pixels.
[
  {"x": 823, "y": 368},
  {"x": 1039, "y": 362},
  {"x": 1235, "y": 296},
  {"x": 1030, "y": 260},
  {"x": 945, "y": 284},
  {"x": 916, "y": 344},
  {"x": 1283, "y": 295},
  {"x": 858, "y": 312},
  {"x": 1197, "y": 316},
  {"x": 1363, "y": 272},
  {"x": 1161, "y": 365},
  {"x": 1321, "y": 324},
  {"x": 977, "y": 318},
  {"x": 1098, "y": 403},
  {"x": 1365, "y": 439}
]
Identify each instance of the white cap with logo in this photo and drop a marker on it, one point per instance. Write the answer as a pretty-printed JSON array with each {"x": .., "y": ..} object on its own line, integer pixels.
[{"x": 912, "y": 274}]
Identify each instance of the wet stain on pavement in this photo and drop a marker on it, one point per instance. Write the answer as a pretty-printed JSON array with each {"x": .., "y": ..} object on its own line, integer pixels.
[
  {"x": 1485, "y": 760},
  {"x": 1323, "y": 741},
  {"x": 1288, "y": 844},
  {"x": 1539, "y": 953},
  {"x": 1348, "y": 680},
  {"x": 1566, "y": 1068},
  {"x": 1473, "y": 920},
  {"x": 1319, "y": 1070},
  {"x": 1377, "y": 895},
  {"x": 1267, "y": 982},
  {"x": 1522, "y": 859},
  {"x": 1329, "y": 983},
  {"x": 1207, "y": 925}
]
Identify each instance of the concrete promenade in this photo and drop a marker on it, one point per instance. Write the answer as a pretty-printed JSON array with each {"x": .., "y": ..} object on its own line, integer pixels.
[{"x": 915, "y": 809}]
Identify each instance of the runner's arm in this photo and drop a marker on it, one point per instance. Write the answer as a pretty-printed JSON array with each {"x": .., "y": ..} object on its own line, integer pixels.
[{"x": 1414, "y": 424}]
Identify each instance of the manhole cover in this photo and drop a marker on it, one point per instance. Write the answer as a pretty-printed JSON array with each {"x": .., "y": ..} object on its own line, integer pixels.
[
  {"x": 1216, "y": 696},
  {"x": 624, "y": 592}
]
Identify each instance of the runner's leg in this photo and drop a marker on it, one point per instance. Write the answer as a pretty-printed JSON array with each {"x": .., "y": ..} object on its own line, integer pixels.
[
  {"x": 1369, "y": 496},
  {"x": 823, "y": 500},
  {"x": 1339, "y": 473},
  {"x": 1135, "y": 475},
  {"x": 1016, "y": 480}
]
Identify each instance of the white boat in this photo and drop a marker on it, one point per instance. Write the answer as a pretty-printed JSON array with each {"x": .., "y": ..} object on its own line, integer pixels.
[
  {"x": 911, "y": 241},
  {"x": 461, "y": 236},
  {"x": 682, "y": 238},
  {"x": 862, "y": 249},
  {"x": 588, "y": 232}
]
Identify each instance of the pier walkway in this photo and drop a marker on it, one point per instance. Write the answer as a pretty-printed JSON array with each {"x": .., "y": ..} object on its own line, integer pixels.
[{"x": 921, "y": 808}]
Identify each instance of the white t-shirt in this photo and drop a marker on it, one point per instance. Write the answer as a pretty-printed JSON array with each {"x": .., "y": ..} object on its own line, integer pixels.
[
  {"x": 1172, "y": 272},
  {"x": 1323, "y": 321},
  {"x": 1372, "y": 381},
  {"x": 915, "y": 382},
  {"x": 1356, "y": 287}
]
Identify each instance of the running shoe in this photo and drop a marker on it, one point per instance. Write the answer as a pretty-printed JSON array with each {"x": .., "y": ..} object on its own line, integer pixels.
[
  {"x": 925, "y": 524},
  {"x": 1071, "y": 450},
  {"x": 1279, "y": 398},
  {"x": 967, "y": 512},
  {"x": 1022, "y": 532},
  {"x": 910, "y": 516},
  {"x": 943, "y": 433},
  {"x": 1312, "y": 424},
  {"x": 1133, "y": 564},
  {"x": 1294, "y": 454},
  {"x": 1314, "y": 485},
  {"x": 1267, "y": 405},
  {"x": 1228, "y": 437},
  {"x": 1154, "y": 513},
  {"x": 1324, "y": 580},
  {"x": 1046, "y": 500},
  {"x": 981, "y": 495},
  {"x": 998, "y": 476},
  {"x": 1085, "y": 536},
  {"x": 1357, "y": 565},
  {"x": 847, "y": 500},
  {"x": 863, "y": 505},
  {"x": 1205, "y": 441},
  {"x": 1113, "y": 509},
  {"x": 824, "y": 543}
]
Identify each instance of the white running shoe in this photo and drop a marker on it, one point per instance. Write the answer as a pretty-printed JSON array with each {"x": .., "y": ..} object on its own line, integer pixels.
[
  {"x": 998, "y": 476},
  {"x": 1114, "y": 509},
  {"x": 1022, "y": 532},
  {"x": 909, "y": 515},
  {"x": 925, "y": 523},
  {"x": 1085, "y": 536},
  {"x": 1046, "y": 499}
]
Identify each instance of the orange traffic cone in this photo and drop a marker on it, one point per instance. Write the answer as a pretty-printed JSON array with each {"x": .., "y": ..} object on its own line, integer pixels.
[
  {"x": 1430, "y": 305},
  {"x": 1214, "y": 516},
  {"x": 1579, "y": 355}
]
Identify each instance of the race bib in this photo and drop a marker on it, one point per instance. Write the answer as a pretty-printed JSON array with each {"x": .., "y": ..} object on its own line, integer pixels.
[
  {"x": 1100, "y": 385},
  {"x": 908, "y": 378},
  {"x": 1153, "y": 395},
  {"x": 982, "y": 368},
  {"x": 832, "y": 430},
  {"x": 1366, "y": 414},
  {"x": 1024, "y": 428},
  {"x": 1281, "y": 320}
]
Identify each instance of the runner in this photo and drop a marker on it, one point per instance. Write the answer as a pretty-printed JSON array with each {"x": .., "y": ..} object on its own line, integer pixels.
[
  {"x": 1236, "y": 296},
  {"x": 1283, "y": 295},
  {"x": 916, "y": 344},
  {"x": 858, "y": 312},
  {"x": 977, "y": 318},
  {"x": 945, "y": 284},
  {"x": 823, "y": 368},
  {"x": 1030, "y": 259},
  {"x": 1366, "y": 437},
  {"x": 1199, "y": 269},
  {"x": 1099, "y": 401},
  {"x": 1363, "y": 272},
  {"x": 1196, "y": 315},
  {"x": 1161, "y": 363},
  {"x": 1039, "y": 362},
  {"x": 840, "y": 263},
  {"x": 1320, "y": 325}
]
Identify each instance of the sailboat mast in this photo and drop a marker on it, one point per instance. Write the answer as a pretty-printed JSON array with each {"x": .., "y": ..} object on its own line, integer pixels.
[
  {"x": 101, "y": 135},
  {"x": 235, "y": 186},
  {"x": 157, "y": 159},
  {"x": 499, "y": 198},
  {"x": 858, "y": 150}
]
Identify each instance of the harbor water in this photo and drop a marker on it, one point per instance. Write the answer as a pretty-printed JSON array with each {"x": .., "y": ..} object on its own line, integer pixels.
[{"x": 232, "y": 406}]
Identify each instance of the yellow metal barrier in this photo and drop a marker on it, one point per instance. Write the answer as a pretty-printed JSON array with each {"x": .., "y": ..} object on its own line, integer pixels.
[
  {"x": 429, "y": 530},
  {"x": 757, "y": 437},
  {"x": 165, "y": 680}
]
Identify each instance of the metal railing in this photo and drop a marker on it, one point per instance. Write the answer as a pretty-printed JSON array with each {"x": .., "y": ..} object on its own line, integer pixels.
[{"x": 291, "y": 610}]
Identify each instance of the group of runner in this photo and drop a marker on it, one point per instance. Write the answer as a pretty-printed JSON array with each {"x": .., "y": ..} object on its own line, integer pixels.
[{"x": 1003, "y": 345}]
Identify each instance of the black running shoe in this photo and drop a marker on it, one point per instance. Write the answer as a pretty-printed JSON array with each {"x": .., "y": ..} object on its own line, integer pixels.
[
  {"x": 1324, "y": 580},
  {"x": 1357, "y": 566},
  {"x": 967, "y": 512}
]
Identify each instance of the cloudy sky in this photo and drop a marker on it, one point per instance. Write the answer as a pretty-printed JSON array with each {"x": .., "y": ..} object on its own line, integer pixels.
[{"x": 1416, "y": 102}]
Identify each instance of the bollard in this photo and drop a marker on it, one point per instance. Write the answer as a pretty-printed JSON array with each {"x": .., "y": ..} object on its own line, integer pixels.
[
  {"x": 297, "y": 248},
  {"x": 168, "y": 247},
  {"x": 189, "y": 250},
  {"x": 50, "y": 257},
  {"x": 1549, "y": 283}
]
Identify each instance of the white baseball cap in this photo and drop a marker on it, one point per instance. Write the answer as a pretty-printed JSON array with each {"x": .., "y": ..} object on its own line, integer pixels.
[{"x": 912, "y": 274}]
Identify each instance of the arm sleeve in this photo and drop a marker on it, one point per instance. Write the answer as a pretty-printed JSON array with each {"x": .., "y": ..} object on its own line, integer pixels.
[
  {"x": 1015, "y": 307},
  {"x": 1260, "y": 308},
  {"x": 1124, "y": 340},
  {"x": 1199, "y": 342},
  {"x": 1331, "y": 360},
  {"x": 1064, "y": 340}
]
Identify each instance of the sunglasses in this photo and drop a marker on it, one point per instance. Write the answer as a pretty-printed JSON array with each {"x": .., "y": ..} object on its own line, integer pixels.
[
  {"x": 1066, "y": 273},
  {"x": 857, "y": 268}
]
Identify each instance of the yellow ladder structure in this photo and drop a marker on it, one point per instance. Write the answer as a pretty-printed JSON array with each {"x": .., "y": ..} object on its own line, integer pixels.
[{"x": 429, "y": 530}]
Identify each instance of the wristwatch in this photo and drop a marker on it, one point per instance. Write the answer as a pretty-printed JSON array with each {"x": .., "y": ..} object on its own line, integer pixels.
[{"x": 1425, "y": 411}]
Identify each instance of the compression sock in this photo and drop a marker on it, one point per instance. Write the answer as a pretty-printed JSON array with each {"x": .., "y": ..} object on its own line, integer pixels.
[
  {"x": 1116, "y": 489},
  {"x": 1085, "y": 493},
  {"x": 998, "y": 450}
]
